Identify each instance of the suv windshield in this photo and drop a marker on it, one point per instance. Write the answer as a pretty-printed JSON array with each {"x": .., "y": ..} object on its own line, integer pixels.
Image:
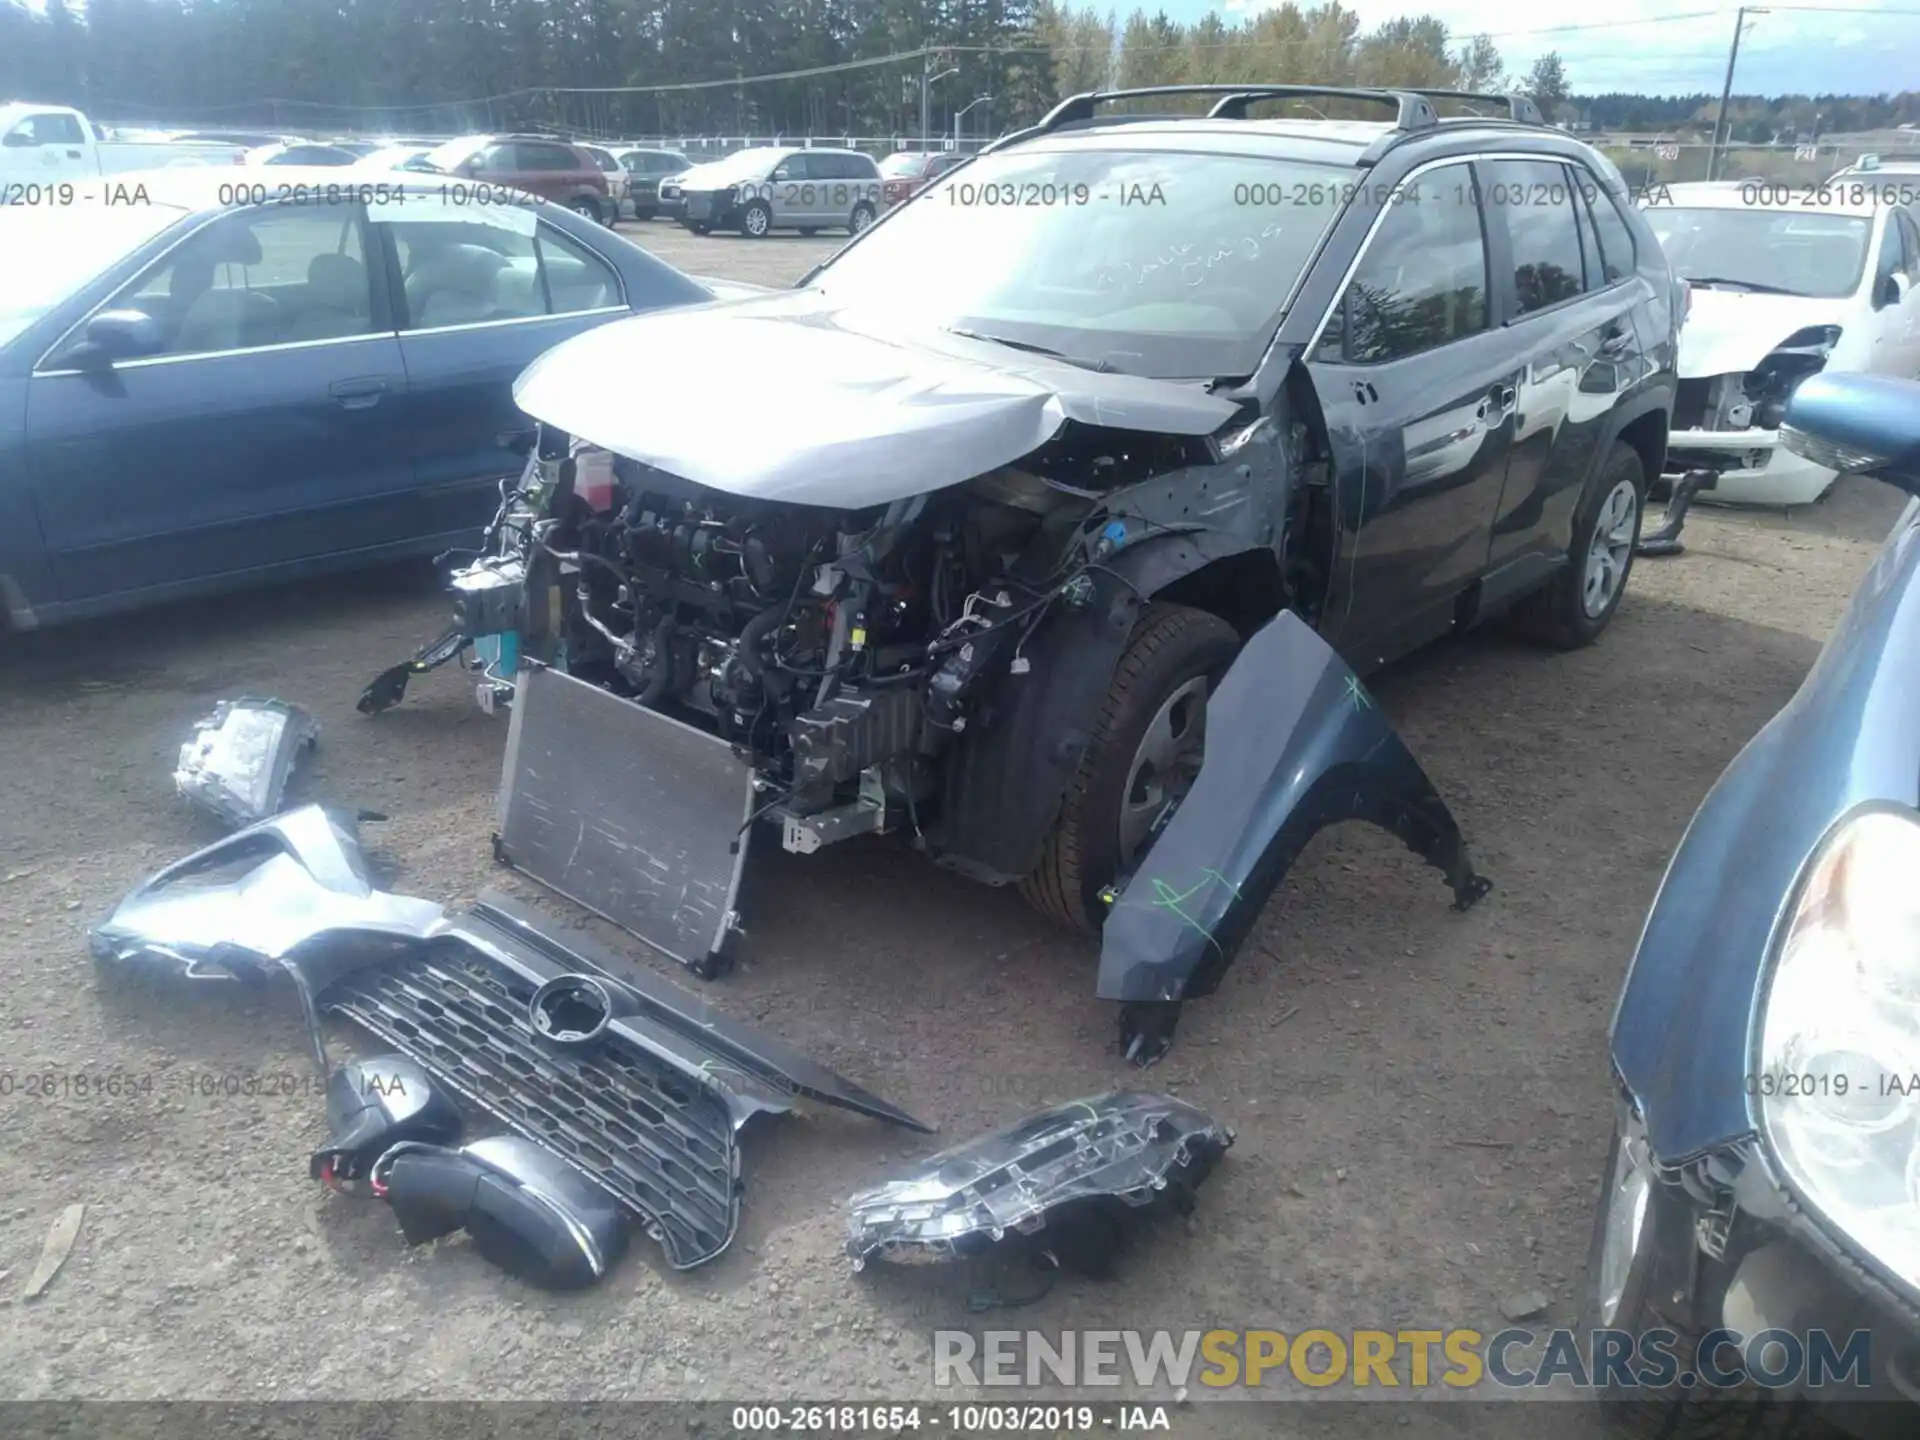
[
  {"x": 1787, "y": 252},
  {"x": 1164, "y": 263}
]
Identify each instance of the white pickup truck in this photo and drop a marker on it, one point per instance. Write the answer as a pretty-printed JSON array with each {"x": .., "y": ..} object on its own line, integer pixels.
[{"x": 51, "y": 144}]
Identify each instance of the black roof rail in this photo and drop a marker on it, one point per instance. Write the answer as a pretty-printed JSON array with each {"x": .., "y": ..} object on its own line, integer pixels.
[
  {"x": 1520, "y": 108},
  {"x": 1412, "y": 111}
]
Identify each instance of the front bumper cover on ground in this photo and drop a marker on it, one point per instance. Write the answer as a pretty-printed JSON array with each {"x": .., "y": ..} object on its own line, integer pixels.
[
  {"x": 1294, "y": 744},
  {"x": 639, "y": 1085}
]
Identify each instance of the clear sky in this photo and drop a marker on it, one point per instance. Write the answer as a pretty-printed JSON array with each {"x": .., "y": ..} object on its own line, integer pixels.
[{"x": 1857, "y": 47}]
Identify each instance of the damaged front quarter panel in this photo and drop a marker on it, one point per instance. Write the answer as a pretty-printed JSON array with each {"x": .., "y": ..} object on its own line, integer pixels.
[{"x": 1294, "y": 744}]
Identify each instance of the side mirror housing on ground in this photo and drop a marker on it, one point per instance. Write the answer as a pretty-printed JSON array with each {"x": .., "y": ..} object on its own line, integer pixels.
[{"x": 1858, "y": 425}]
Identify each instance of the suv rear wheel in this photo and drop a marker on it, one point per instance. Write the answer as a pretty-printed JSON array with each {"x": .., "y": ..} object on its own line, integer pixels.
[
  {"x": 862, "y": 217},
  {"x": 1575, "y": 607},
  {"x": 1145, "y": 751},
  {"x": 586, "y": 205}
]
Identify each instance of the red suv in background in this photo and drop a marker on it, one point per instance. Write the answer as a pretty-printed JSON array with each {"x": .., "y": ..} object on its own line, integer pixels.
[
  {"x": 552, "y": 169},
  {"x": 906, "y": 173}
]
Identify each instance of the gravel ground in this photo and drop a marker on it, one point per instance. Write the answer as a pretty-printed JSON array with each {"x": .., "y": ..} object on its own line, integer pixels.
[{"x": 1420, "y": 1097}]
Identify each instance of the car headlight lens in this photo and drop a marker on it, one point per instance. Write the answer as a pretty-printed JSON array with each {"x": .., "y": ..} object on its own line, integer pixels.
[{"x": 1839, "y": 1076}]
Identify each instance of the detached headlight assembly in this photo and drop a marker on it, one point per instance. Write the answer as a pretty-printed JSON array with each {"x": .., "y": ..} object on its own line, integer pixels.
[{"x": 1838, "y": 1085}]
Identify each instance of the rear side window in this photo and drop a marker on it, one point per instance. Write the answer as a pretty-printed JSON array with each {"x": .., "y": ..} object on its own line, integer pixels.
[
  {"x": 856, "y": 167},
  {"x": 1536, "y": 199},
  {"x": 467, "y": 271},
  {"x": 543, "y": 157},
  {"x": 1423, "y": 280},
  {"x": 1617, "y": 258}
]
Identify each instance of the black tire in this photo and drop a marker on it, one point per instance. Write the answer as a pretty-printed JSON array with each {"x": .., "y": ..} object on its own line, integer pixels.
[
  {"x": 701, "y": 229},
  {"x": 1557, "y": 614},
  {"x": 809, "y": 229},
  {"x": 1672, "y": 1412},
  {"x": 1171, "y": 645},
  {"x": 588, "y": 206},
  {"x": 861, "y": 218},
  {"x": 640, "y": 214},
  {"x": 756, "y": 221}
]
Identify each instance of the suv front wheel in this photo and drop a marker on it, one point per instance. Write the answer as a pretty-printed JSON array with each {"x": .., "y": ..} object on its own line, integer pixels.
[{"x": 1146, "y": 749}]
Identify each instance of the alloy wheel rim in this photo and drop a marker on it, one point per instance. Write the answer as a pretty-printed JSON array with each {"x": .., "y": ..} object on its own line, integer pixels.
[
  {"x": 1164, "y": 764},
  {"x": 1611, "y": 550}
]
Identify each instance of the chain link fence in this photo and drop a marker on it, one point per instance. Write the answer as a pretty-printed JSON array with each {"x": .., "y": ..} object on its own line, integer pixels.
[{"x": 1651, "y": 162}]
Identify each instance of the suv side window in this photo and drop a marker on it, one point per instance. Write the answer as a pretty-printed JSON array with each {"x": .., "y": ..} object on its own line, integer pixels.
[
  {"x": 1536, "y": 200},
  {"x": 1910, "y": 237},
  {"x": 1617, "y": 257},
  {"x": 529, "y": 155},
  {"x": 1590, "y": 264},
  {"x": 1893, "y": 257},
  {"x": 1423, "y": 280},
  {"x": 856, "y": 167}
]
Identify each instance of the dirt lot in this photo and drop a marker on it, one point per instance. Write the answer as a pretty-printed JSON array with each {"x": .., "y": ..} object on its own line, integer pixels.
[{"x": 1420, "y": 1097}]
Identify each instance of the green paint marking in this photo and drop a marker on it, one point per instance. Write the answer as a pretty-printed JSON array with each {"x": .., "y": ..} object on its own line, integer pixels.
[
  {"x": 1357, "y": 694},
  {"x": 1223, "y": 880},
  {"x": 1171, "y": 899}
]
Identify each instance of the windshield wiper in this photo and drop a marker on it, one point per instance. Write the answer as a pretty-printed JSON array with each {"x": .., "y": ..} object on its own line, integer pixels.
[
  {"x": 1099, "y": 367},
  {"x": 1753, "y": 285}
]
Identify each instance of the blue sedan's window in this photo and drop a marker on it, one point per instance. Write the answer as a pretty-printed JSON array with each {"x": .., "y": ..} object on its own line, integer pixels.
[
  {"x": 259, "y": 277},
  {"x": 47, "y": 252},
  {"x": 463, "y": 270}
]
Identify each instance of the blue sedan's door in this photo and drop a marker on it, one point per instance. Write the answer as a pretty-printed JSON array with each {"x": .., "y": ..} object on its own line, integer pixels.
[
  {"x": 268, "y": 426},
  {"x": 482, "y": 290}
]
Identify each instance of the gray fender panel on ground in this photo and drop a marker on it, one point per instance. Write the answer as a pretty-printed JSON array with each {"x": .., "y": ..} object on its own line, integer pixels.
[{"x": 1294, "y": 744}]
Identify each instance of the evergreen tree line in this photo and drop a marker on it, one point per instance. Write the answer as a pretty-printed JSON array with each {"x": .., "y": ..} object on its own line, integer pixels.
[{"x": 433, "y": 66}]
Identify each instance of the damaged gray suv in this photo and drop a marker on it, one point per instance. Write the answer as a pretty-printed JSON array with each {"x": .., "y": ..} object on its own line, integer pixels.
[{"x": 1066, "y": 566}]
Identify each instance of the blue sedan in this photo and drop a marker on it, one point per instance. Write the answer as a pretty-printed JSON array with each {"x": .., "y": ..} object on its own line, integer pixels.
[
  {"x": 210, "y": 378},
  {"x": 1757, "y": 1236}
]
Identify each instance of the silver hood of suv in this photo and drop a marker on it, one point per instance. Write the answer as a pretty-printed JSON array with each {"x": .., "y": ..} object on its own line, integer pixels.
[{"x": 789, "y": 396}]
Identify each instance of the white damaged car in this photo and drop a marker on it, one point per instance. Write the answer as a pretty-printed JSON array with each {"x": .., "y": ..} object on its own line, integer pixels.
[{"x": 1782, "y": 284}]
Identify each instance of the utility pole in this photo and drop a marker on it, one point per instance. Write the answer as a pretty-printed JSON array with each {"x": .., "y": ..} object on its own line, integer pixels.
[
  {"x": 1726, "y": 91},
  {"x": 927, "y": 77}
]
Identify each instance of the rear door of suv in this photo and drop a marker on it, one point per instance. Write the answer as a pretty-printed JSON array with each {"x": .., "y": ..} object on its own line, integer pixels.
[
  {"x": 1418, "y": 383},
  {"x": 1566, "y": 297},
  {"x": 555, "y": 172}
]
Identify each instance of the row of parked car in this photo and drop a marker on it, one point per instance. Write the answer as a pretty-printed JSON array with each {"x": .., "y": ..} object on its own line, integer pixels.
[{"x": 754, "y": 191}]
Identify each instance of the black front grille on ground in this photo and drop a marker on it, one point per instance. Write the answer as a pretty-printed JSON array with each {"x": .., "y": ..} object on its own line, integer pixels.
[{"x": 644, "y": 1131}]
